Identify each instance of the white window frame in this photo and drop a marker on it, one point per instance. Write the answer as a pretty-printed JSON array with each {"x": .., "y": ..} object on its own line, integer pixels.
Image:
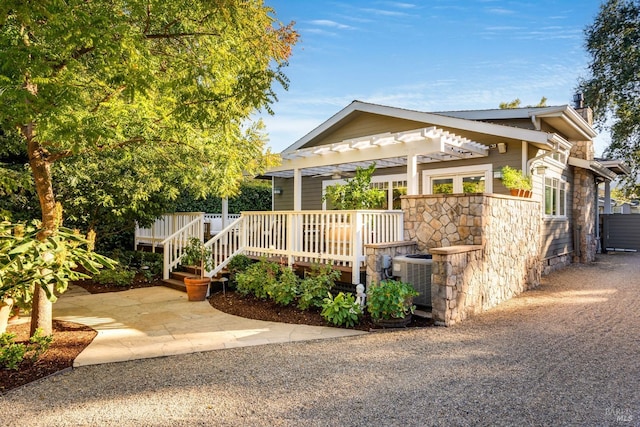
[
  {"x": 458, "y": 174},
  {"x": 561, "y": 196}
]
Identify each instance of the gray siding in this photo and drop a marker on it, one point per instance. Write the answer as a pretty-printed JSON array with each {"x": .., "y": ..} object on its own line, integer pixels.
[{"x": 557, "y": 233}]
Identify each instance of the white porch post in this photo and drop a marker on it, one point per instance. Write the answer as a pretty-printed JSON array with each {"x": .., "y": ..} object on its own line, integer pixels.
[
  {"x": 225, "y": 212},
  {"x": 607, "y": 197},
  {"x": 356, "y": 245},
  {"x": 297, "y": 190},
  {"x": 412, "y": 175}
]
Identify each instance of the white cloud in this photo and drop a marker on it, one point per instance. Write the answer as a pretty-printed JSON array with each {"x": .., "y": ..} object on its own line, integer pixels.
[{"x": 331, "y": 24}]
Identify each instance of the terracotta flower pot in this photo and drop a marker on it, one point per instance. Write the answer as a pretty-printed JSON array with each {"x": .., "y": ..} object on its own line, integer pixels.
[
  {"x": 197, "y": 288},
  {"x": 520, "y": 193}
]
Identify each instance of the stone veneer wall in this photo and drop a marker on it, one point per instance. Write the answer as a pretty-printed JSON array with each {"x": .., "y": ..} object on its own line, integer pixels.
[
  {"x": 584, "y": 216},
  {"x": 375, "y": 252},
  {"x": 507, "y": 231},
  {"x": 584, "y": 205}
]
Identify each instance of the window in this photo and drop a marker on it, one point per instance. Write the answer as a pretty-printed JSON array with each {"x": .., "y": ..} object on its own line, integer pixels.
[
  {"x": 555, "y": 196},
  {"x": 396, "y": 183},
  {"x": 466, "y": 179}
]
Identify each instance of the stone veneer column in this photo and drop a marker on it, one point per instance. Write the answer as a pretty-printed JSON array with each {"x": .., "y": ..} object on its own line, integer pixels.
[
  {"x": 584, "y": 215},
  {"x": 585, "y": 197}
]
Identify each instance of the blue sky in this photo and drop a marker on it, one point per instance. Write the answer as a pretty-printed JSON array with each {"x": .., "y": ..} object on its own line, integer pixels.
[{"x": 427, "y": 55}]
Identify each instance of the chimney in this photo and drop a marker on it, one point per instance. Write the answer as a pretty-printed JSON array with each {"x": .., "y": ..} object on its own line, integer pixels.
[{"x": 585, "y": 112}]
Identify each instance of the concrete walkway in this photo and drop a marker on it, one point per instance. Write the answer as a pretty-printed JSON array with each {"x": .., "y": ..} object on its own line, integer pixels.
[{"x": 158, "y": 321}]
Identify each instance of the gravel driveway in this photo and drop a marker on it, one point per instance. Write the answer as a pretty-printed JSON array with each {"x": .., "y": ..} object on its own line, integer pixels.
[{"x": 567, "y": 353}]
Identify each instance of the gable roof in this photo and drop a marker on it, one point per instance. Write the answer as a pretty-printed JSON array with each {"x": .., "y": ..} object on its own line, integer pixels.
[{"x": 543, "y": 140}]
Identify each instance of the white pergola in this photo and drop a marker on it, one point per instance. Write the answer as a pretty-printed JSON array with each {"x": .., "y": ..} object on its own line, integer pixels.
[{"x": 408, "y": 148}]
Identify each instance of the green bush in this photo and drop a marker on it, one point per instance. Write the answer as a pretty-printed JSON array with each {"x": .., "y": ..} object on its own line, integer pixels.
[
  {"x": 12, "y": 353},
  {"x": 117, "y": 277},
  {"x": 147, "y": 263},
  {"x": 284, "y": 289},
  {"x": 390, "y": 299},
  {"x": 257, "y": 278},
  {"x": 341, "y": 310},
  {"x": 238, "y": 264},
  {"x": 315, "y": 285}
]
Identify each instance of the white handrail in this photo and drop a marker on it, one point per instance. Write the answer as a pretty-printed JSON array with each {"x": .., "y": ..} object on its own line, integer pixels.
[
  {"x": 173, "y": 246},
  {"x": 336, "y": 237},
  {"x": 225, "y": 245}
]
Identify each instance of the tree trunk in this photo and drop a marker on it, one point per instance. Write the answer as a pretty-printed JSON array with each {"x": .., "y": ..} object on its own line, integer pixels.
[{"x": 41, "y": 313}]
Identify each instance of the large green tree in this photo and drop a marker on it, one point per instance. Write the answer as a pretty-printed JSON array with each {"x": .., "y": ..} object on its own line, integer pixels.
[
  {"x": 168, "y": 84},
  {"x": 612, "y": 89}
]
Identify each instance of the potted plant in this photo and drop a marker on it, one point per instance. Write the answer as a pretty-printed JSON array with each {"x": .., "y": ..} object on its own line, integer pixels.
[
  {"x": 516, "y": 182},
  {"x": 390, "y": 303},
  {"x": 196, "y": 254}
]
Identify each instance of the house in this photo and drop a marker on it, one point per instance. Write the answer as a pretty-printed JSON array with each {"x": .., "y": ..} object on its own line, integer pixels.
[
  {"x": 445, "y": 197},
  {"x": 443, "y": 170}
]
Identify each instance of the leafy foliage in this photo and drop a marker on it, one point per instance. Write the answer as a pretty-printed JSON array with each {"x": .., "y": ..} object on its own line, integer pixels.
[
  {"x": 315, "y": 285},
  {"x": 257, "y": 279},
  {"x": 118, "y": 277},
  {"x": 357, "y": 192},
  {"x": 255, "y": 195},
  {"x": 515, "y": 179},
  {"x": 197, "y": 254},
  {"x": 27, "y": 262},
  {"x": 516, "y": 104},
  {"x": 390, "y": 299},
  {"x": 341, "y": 310},
  {"x": 12, "y": 353},
  {"x": 284, "y": 288},
  {"x": 169, "y": 87},
  {"x": 268, "y": 280},
  {"x": 612, "y": 88}
]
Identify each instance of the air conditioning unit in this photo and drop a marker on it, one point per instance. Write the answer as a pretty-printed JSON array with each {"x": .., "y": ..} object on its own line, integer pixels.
[{"x": 415, "y": 269}]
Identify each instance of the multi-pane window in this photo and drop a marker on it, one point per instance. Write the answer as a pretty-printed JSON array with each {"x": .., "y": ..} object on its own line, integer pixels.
[
  {"x": 467, "y": 179},
  {"x": 399, "y": 188},
  {"x": 555, "y": 197}
]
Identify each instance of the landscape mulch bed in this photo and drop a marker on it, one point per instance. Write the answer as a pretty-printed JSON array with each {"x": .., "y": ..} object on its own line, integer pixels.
[{"x": 71, "y": 338}]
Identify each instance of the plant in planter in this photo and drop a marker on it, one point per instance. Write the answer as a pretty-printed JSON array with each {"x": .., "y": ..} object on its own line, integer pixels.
[
  {"x": 196, "y": 254},
  {"x": 356, "y": 193},
  {"x": 519, "y": 184},
  {"x": 390, "y": 303}
]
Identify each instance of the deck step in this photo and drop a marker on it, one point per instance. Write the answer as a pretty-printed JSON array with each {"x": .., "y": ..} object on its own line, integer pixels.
[{"x": 176, "y": 284}]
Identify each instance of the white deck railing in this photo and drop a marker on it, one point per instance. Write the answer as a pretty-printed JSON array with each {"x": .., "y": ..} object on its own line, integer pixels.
[
  {"x": 164, "y": 227},
  {"x": 336, "y": 237},
  {"x": 173, "y": 245},
  {"x": 216, "y": 222}
]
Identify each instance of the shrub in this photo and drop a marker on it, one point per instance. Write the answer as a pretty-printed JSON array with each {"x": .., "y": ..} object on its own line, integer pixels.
[
  {"x": 118, "y": 277},
  {"x": 147, "y": 263},
  {"x": 238, "y": 264},
  {"x": 12, "y": 353},
  {"x": 316, "y": 284},
  {"x": 284, "y": 289},
  {"x": 390, "y": 299},
  {"x": 341, "y": 310},
  {"x": 257, "y": 278}
]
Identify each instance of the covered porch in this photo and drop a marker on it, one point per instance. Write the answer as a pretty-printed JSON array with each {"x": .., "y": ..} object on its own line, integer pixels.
[{"x": 406, "y": 150}]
